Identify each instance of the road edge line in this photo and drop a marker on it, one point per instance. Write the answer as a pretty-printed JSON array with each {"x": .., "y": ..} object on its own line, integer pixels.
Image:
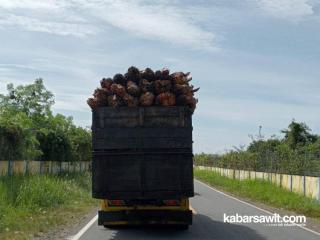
[
  {"x": 251, "y": 205},
  {"x": 85, "y": 228}
]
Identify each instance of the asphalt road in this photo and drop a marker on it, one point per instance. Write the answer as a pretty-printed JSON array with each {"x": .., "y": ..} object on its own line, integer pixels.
[{"x": 209, "y": 205}]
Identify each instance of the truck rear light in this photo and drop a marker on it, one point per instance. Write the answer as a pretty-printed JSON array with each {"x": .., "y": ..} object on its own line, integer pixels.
[
  {"x": 116, "y": 202},
  {"x": 171, "y": 202}
]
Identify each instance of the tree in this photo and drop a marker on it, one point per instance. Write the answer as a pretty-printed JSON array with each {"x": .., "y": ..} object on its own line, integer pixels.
[
  {"x": 31, "y": 98},
  {"x": 29, "y": 130},
  {"x": 298, "y": 135}
]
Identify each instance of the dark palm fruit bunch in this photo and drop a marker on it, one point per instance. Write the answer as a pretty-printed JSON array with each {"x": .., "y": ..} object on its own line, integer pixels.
[
  {"x": 101, "y": 94},
  {"x": 106, "y": 83},
  {"x": 133, "y": 74},
  {"x": 146, "y": 85},
  {"x": 181, "y": 78},
  {"x": 119, "y": 79},
  {"x": 115, "y": 101},
  {"x": 130, "y": 101},
  {"x": 148, "y": 74},
  {"x": 118, "y": 89},
  {"x": 146, "y": 99},
  {"x": 162, "y": 86},
  {"x": 187, "y": 100},
  {"x": 92, "y": 102},
  {"x": 165, "y": 73},
  {"x": 157, "y": 75},
  {"x": 133, "y": 88},
  {"x": 166, "y": 99}
]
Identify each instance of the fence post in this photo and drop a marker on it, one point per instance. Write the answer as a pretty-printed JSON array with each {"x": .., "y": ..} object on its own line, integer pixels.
[
  {"x": 318, "y": 188},
  {"x": 10, "y": 169},
  {"x": 290, "y": 182},
  {"x": 26, "y": 167},
  {"x": 304, "y": 185}
]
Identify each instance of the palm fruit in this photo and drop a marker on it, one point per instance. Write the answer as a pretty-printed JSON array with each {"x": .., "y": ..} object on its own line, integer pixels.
[
  {"x": 115, "y": 101},
  {"x": 180, "y": 78},
  {"x": 146, "y": 99},
  {"x": 101, "y": 94},
  {"x": 118, "y": 89},
  {"x": 146, "y": 86},
  {"x": 166, "y": 99},
  {"x": 133, "y": 74},
  {"x": 162, "y": 86},
  {"x": 133, "y": 88},
  {"x": 119, "y": 79},
  {"x": 92, "y": 102},
  {"x": 106, "y": 83},
  {"x": 148, "y": 74},
  {"x": 130, "y": 101}
]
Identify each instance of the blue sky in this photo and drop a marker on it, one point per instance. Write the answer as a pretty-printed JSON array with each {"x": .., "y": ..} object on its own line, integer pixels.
[{"x": 256, "y": 61}]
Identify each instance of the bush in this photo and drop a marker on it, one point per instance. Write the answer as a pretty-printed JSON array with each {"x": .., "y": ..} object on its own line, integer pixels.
[{"x": 42, "y": 191}]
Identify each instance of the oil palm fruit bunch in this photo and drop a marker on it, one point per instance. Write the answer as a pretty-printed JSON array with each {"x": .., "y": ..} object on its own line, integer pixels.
[
  {"x": 146, "y": 85},
  {"x": 145, "y": 88},
  {"x": 162, "y": 86},
  {"x": 148, "y": 74},
  {"x": 106, "y": 83},
  {"x": 146, "y": 99},
  {"x": 133, "y": 88},
  {"x": 166, "y": 99}
]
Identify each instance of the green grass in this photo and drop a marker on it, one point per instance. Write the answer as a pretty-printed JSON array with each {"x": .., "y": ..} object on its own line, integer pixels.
[
  {"x": 32, "y": 205},
  {"x": 262, "y": 191}
]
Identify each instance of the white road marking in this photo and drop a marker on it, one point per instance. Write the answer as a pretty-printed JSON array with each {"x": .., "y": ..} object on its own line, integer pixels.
[
  {"x": 84, "y": 229},
  {"x": 251, "y": 205}
]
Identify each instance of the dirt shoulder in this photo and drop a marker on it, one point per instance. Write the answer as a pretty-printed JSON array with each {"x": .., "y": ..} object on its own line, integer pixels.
[{"x": 67, "y": 231}]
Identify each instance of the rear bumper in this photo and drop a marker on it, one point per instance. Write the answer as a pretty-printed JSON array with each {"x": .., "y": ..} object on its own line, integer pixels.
[{"x": 145, "y": 217}]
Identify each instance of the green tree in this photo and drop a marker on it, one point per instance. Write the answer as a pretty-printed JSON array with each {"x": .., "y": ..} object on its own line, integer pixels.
[
  {"x": 298, "y": 135},
  {"x": 31, "y": 98},
  {"x": 29, "y": 130}
]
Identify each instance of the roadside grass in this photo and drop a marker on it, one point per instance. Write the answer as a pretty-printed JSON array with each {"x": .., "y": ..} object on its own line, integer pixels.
[
  {"x": 262, "y": 191},
  {"x": 32, "y": 205}
]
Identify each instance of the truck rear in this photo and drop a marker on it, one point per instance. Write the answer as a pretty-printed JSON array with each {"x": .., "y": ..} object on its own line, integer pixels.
[{"x": 142, "y": 167}]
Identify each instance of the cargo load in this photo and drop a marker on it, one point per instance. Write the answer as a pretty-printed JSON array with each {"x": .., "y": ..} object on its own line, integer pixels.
[
  {"x": 145, "y": 88},
  {"x": 142, "y": 165}
]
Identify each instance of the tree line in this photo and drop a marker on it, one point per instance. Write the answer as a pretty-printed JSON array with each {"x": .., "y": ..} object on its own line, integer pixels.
[
  {"x": 30, "y": 131},
  {"x": 296, "y": 152}
]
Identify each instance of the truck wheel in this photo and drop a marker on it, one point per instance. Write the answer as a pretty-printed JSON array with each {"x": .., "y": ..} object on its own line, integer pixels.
[
  {"x": 183, "y": 227},
  {"x": 107, "y": 226}
]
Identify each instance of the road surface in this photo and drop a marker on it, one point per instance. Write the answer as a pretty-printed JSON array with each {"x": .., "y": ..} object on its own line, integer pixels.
[{"x": 209, "y": 205}]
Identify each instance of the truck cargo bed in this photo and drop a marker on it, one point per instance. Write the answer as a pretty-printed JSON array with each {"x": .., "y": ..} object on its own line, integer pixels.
[{"x": 142, "y": 153}]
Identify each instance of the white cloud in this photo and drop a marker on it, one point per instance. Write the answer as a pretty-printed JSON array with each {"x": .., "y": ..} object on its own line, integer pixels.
[
  {"x": 294, "y": 10},
  {"x": 58, "y": 28},
  {"x": 30, "y": 4},
  {"x": 157, "y": 20},
  {"x": 71, "y": 102}
]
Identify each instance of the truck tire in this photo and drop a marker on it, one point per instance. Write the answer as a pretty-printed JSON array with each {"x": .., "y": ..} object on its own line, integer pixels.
[{"x": 183, "y": 227}]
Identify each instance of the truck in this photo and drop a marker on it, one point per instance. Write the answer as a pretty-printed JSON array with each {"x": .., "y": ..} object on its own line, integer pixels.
[{"x": 142, "y": 165}]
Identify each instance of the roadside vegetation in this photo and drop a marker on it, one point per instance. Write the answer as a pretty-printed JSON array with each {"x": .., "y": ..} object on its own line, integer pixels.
[
  {"x": 32, "y": 205},
  {"x": 30, "y": 131},
  {"x": 296, "y": 152},
  {"x": 262, "y": 191}
]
